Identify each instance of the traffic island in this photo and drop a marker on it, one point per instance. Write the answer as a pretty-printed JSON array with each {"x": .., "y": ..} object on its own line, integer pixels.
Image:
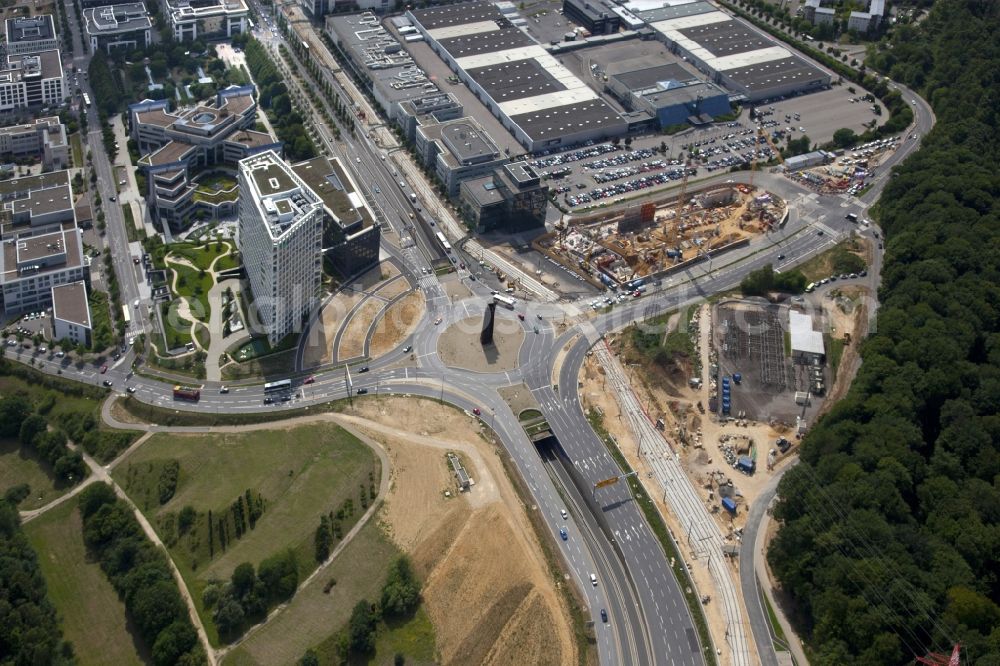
[{"x": 459, "y": 345}]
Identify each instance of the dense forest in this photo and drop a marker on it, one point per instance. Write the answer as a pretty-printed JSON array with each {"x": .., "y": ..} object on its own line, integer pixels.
[
  {"x": 29, "y": 630},
  {"x": 891, "y": 523}
]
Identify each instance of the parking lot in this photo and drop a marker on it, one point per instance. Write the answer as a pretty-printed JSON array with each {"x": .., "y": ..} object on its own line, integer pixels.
[
  {"x": 581, "y": 176},
  {"x": 822, "y": 113}
]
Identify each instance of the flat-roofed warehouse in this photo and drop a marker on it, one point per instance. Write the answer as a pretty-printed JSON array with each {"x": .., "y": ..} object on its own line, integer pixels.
[
  {"x": 735, "y": 54},
  {"x": 536, "y": 98}
]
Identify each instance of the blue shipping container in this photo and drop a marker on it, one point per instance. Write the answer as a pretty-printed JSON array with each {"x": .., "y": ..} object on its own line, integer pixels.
[
  {"x": 729, "y": 505},
  {"x": 745, "y": 464},
  {"x": 737, "y": 377}
]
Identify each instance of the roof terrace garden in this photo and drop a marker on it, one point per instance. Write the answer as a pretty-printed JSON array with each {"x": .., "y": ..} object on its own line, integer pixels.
[{"x": 215, "y": 188}]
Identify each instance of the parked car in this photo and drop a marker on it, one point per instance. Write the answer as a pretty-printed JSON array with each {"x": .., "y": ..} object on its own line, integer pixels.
[
  {"x": 108, "y": 383},
  {"x": 104, "y": 369}
]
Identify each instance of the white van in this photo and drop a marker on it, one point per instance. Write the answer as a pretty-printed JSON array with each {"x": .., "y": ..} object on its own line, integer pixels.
[{"x": 593, "y": 579}]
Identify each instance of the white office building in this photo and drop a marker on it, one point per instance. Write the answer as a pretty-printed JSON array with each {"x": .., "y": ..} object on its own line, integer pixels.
[
  {"x": 112, "y": 27},
  {"x": 31, "y": 34},
  {"x": 207, "y": 19},
  {"x": 32, "y": 80},
  {"x": 280, "y": 236}
]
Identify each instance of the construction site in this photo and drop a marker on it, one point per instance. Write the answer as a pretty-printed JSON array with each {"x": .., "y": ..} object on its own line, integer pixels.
[{"x": 653, "y": 239}]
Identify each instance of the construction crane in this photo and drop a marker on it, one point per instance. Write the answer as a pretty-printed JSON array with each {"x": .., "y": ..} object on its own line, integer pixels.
[{"x": 935, "y": 659}]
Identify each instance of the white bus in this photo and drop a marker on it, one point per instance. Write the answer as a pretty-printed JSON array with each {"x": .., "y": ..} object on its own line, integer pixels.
[
  {"x": 278, "y": 387},
  {"x": 444, "y": 242},
  {"x": 505, "y": 301},
  {"x": 86, "y": 101},
  {"x": 126, "y": 317}
]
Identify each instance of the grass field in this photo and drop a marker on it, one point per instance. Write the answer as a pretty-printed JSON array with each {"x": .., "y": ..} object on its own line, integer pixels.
[
  {"x": 91, "y": 614},
  {"x": 18, "y": 466},
  {"x": 204, "y": 336},
  {"x": 77, "y": 146},
  {"x": 300, "y": 473},
  {"x": 413, "y": 638},
  {"x": 176, "y": 329},
  {"x": 201, "y": 256},
  {"x": 226, "y": 263},
  {"x": 314, "y": 618},
  {"x": 194, "y": 285},
  {"x": 273, "y": 365}
]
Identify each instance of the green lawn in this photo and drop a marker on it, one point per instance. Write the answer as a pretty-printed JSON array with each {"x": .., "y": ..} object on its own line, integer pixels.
[
  {"x": 779, "y": 633},
  {"x": 271, "y": 365},
  {"x": 100, "y": 319},
  {"x": 214, "y": 196},
  {"x": 226, "y": 263},
  {"x": 130, "y": 229},
  {"x": 314, "y": 618},
  {"x": 836, "y": 352},
  {"x": 201, "y": 256},
  {"x": 76, "y": 144},
  {"x": 216, "y": 181},
  {"x": 19, "y": 466},
  {"x": 177, "y": 330},
  {"x": 91, "y": 614},
  {"x": 413, "y": 637},
  {"x": 194, "y": 285},
  {"x": 204, "y": 336},
  {"x": 300, "y": 474}
]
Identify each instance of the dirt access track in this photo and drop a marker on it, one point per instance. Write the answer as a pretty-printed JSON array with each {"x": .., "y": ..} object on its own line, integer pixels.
[{"x": 487, "y": 587}]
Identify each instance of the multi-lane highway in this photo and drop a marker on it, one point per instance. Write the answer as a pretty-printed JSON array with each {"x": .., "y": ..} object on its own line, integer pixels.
[{"x": 649, "y": 621}]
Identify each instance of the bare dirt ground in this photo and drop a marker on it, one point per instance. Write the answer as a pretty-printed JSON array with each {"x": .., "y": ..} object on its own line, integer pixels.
[
  {"x": 846, "y": 319},
  {"x": 456, "y": 290},
  {"x": 459, "y": 345},
  {"x": 487, "y": 587},
  {"x": 334, "y": 315},
  {"x": 320, "y": 350},
  {"x": 518, "y": 398},
  {"x": 352, "y": 342},
  {"x": 390, "y": 290},
  {"x": 398, "y": 322}
]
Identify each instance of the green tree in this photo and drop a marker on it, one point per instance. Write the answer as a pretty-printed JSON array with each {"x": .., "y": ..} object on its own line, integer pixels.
[
  {"x": 243, "y": 578},
  {"x": 309, "y": 659},
  {"x": 173, "y": 642},
  {"x": 14, "y": 409},
  {"x": 323, "y": 539},
  {"x": 401, "y": 593},
  {"x": 844, "y": 137},
  {"x": 30, "y": 427},
  {"x": 361, "y": 628},
  {"x": 279, "y": 577}
]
